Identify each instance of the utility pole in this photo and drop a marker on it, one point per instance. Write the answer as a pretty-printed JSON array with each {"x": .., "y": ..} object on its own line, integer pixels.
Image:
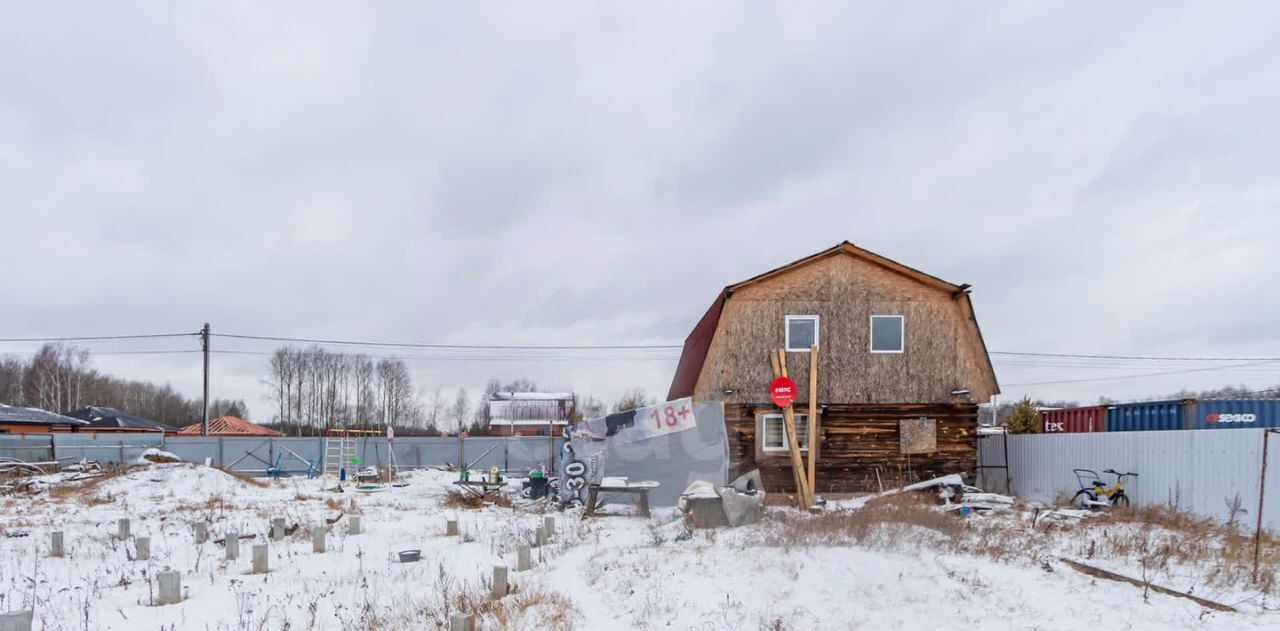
[{"x": 204, "y": 345}]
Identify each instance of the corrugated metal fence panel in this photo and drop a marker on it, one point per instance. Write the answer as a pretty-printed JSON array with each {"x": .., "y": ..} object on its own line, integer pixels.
[
  {"x": 26, "y": 447},
  {"x": 1205, "y": 472},
  {"x": 104, "y": 447},
  {"x": 426, "y": 452},
  {"x": 1236, "y": 414},
  {"x": 256, "y": 454},
  {"x": 1073, "y": 420},
  {"x": 1147, "y": 416},
  {"x": 198, "y": 449}
]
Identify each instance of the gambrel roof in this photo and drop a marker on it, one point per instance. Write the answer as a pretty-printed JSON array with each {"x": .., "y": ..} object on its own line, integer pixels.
[{"x": 699, "y": 341}]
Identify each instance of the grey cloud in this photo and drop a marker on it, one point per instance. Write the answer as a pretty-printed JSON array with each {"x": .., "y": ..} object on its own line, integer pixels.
[{"x": 593, "y": 174}]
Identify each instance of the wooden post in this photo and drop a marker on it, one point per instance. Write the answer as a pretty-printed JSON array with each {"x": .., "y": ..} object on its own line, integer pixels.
[
  {"x": 813, "y": 419},
  {"x": 1262, "y": 493},
  {"x": 777, "y": 372},
  {"x": 797, "y": 461}
]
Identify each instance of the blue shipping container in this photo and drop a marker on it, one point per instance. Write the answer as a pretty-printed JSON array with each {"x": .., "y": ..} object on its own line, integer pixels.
[
  {"x": 1147, "y": 416},
  {"x": 1236, "y": 414}
]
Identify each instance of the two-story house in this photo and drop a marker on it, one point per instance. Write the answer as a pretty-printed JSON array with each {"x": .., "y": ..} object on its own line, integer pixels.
[{"x": 902, "y": 367}]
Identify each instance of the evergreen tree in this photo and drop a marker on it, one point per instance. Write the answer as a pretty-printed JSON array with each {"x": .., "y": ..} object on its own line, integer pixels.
[{"x": 1025, "y": 418}]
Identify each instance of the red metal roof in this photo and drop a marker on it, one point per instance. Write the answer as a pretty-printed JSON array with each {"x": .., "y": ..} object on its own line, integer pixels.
[
  {"x": 695, "y": 350},
  {"x": 231, "y": 426}
]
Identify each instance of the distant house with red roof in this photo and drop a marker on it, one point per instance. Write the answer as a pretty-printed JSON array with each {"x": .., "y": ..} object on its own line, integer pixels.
[{"x": 230, "y": 426}]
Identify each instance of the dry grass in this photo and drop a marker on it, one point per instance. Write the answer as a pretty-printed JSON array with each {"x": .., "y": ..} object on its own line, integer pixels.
[
  {"x": 80, "y": 488},
  {"x": 521, "y": 610},
  {"x": 214, "y": 503},
  {"x": 1158, "y": 540},
  {"x": 898, "y": 521},
  {"x": 1159, "y": 536},
  {"x": 554, "y": 612},
  {"x": 251, "y": 481},
  {"x": 459, "y": 499}
]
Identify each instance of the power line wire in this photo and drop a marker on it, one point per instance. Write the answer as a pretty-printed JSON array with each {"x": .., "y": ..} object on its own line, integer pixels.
[
  {"x": 1150, "y": 374},
  {"x": 90, "y": 338},
  {"x": 463, "y": 358},
  {"x": 1137, "y": 357},
  {"x": 87, "y": 338},
  {"x": 449, "y": 346}
]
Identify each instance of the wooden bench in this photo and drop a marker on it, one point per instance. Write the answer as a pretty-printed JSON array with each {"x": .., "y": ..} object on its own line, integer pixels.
[{"x": 641, "y": 493}]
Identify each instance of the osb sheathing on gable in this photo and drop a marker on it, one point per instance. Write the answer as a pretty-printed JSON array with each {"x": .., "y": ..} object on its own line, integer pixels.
[{"x": 942, "y": 354}]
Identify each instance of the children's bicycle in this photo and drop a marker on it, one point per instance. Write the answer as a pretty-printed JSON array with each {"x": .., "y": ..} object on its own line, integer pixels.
[{"x": 1095, "y": 494}]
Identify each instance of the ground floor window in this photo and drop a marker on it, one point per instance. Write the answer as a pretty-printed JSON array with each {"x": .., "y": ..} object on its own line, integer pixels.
[{"x": 773, "y": 433}]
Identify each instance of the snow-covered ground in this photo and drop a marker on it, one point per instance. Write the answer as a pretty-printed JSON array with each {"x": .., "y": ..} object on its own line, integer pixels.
[{"x": 597, "y": 574}]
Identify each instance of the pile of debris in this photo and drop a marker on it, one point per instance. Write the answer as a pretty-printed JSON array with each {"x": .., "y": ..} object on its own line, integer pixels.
[
  {"x": 954, "y": 495},
  {"x": 156, "y": 456},
  {"x": 739, "y": 504},
  {"x": 18, "y": 476}
]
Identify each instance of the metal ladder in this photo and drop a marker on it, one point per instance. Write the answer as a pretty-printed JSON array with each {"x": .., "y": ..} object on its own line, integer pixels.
[{"x": 339, "y": 449}]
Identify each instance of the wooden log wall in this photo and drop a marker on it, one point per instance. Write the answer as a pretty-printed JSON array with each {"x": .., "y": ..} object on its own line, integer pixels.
[{"x": 857, "y": 441}]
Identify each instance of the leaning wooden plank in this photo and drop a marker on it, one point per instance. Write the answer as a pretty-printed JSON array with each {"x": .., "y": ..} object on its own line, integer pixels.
[
  {"x": 793, "y": 442},
  {"x": 1101, "y": 573},
  {"x": 797, "y": 460},
  {"x": 813, "y": 419},
  {"x": 776, "y": 359}
]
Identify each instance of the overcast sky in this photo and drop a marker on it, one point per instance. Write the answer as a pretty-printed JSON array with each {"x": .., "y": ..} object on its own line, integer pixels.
[{"x": 1105, "y": 175}]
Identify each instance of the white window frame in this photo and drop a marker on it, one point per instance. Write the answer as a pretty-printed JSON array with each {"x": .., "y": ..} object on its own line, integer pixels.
[
  {"x": 817, "y": 329},
  {"x": 871, "y": 327},
  {"x": 782, "y": 423}
]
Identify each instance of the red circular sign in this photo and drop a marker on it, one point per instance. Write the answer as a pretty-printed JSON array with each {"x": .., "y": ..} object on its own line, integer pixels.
[{"x": 782, "y": 392}]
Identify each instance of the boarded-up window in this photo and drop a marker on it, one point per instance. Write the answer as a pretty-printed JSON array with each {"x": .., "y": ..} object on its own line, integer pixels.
[{"x": 918, "y": 435}]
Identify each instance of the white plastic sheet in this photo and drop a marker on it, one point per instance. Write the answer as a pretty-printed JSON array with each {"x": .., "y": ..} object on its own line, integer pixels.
[{"x": 694, "y": 448}]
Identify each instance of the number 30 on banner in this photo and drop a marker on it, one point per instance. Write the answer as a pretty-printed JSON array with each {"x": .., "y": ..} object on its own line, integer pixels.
[{"x": 670, "y": 417}]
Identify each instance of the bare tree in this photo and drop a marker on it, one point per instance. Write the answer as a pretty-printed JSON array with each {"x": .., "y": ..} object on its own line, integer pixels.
[
  {"x": 587, "y": 408},
  {"x": 632, "y": 399},
  {"x": 11, "y": 372},
  {"x": 434, "y": 411},
  {"x": 363, "y": 382},
  {"x": 54, "y": 380},
  {"x": 458, "y": 413}
]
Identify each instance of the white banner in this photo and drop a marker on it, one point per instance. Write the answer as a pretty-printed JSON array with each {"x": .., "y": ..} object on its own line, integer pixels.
[{"x": 636, "y": 425}]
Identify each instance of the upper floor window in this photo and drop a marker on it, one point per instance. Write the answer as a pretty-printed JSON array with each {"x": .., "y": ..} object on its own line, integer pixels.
[
  {"x": 802, "y": 332},
  {"x": 887, "y": 334}
]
